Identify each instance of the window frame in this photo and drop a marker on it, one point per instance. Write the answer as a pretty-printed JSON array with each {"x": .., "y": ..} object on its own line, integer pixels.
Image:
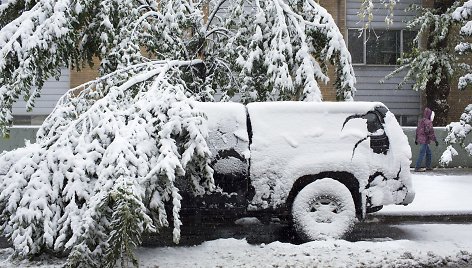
[{"x": 364, "y": 47}]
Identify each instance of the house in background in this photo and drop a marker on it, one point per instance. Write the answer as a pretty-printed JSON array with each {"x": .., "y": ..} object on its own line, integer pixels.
[{"x": 374, "y": 54}]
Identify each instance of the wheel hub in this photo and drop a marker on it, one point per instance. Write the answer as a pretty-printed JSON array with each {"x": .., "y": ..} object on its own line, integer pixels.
[{"x": 324, "y": 209}]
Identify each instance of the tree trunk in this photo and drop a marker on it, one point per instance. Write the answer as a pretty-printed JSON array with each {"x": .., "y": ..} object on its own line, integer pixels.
[
  {"x": 436, "y": 99},
  {"x": 437, "y": 94}
]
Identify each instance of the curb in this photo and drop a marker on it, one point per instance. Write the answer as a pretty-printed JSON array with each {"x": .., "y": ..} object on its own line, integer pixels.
[{"x": 438, "y": 218}]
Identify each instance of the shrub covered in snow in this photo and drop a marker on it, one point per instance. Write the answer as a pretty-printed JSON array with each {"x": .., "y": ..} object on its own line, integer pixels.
[{"x": 457, "y": 133}]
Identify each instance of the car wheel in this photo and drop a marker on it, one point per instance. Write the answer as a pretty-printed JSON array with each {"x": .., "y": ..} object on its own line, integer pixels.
[{"x": 323, "y": 209}]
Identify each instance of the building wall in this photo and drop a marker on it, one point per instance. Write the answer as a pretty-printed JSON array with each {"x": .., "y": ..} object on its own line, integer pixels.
[
  {"x": 84, "y": 75},
  {"x": 51, "y": 92},
  {"x": 337, "y": 9},
  {"x": 405, "y": 103},
  {"x": 380, "y": 12}
]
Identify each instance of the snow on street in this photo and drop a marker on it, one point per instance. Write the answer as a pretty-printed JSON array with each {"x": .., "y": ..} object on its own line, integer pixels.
[
  {"x": 433, "y": 247},
  {"x": 419, "y": 245}
]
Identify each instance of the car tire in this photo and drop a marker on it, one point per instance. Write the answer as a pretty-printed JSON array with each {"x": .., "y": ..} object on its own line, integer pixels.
[{"x": 323, "y": 209}]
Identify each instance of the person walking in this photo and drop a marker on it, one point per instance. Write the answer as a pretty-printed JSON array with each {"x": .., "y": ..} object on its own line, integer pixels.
[{"x": 425, "y": 135}]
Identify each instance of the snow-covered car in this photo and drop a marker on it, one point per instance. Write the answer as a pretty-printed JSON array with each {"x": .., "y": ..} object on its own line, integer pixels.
[{"x": 320, "y": 165}]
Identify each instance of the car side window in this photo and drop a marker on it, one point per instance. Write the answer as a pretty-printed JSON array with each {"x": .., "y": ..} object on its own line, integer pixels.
[{"x": 378, "y": 139}]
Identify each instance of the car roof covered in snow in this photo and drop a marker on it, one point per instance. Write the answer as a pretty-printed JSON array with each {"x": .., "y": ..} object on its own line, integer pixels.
[{"x": 319, "y": 107}]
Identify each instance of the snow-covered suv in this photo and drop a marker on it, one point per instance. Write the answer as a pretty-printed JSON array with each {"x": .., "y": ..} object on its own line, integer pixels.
[{"x": 319, "y": 164}]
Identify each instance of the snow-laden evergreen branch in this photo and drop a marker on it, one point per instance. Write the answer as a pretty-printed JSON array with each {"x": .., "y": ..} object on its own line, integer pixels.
[
  {"x": 59, "y": 194},
  {"x": 38, "y": 37},
  {"x": 463, "y": 14},
  {"x": 421, "y": 68},
  {"x": 273, "y": 50},
  {"x": 458, "y": 132},
  {"x": 434, "y": 63},
  {"x": 287, "y": 52}
]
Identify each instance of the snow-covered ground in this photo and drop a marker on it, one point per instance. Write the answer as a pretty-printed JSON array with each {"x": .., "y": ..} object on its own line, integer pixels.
[
  {"x": 430, "y": 249},
  {"x": 437, "y": 194},
  {"x": 424, "y": 245}
]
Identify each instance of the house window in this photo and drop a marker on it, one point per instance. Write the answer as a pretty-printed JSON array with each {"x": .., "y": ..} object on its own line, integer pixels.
[
  {"x": 407, "y": 120},
  {"x": 28, "y": 120},
  {"x": 379, "y": 47}
]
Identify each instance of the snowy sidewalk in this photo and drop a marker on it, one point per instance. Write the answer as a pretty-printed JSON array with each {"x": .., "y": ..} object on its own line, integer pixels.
[{"x": 438, "y": 192}]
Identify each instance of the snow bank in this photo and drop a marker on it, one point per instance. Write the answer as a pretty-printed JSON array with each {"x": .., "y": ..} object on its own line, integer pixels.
[
  {"x": 432, "y": 246},
  {"x": 335, "y": 253},
  {"x": 437, "y": 195}
]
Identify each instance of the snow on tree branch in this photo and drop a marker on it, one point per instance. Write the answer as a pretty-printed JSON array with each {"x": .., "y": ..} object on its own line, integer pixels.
[
  {"x": 464, "y": 14},
  {"x": 59, "y": 194},
  {"x": 51, "y": 34},
  {"x": 284, "y": 55},
  {"x": 435, "y": 62},
  {"x": 25, "y": 48},
  {"x": 282, "y": 50},
  {"x": 457, "y": 134},
  {"x": 459, "y": 131},
  {"x": 420, "y": 68},
  {"x": 366, "y": 11}
]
